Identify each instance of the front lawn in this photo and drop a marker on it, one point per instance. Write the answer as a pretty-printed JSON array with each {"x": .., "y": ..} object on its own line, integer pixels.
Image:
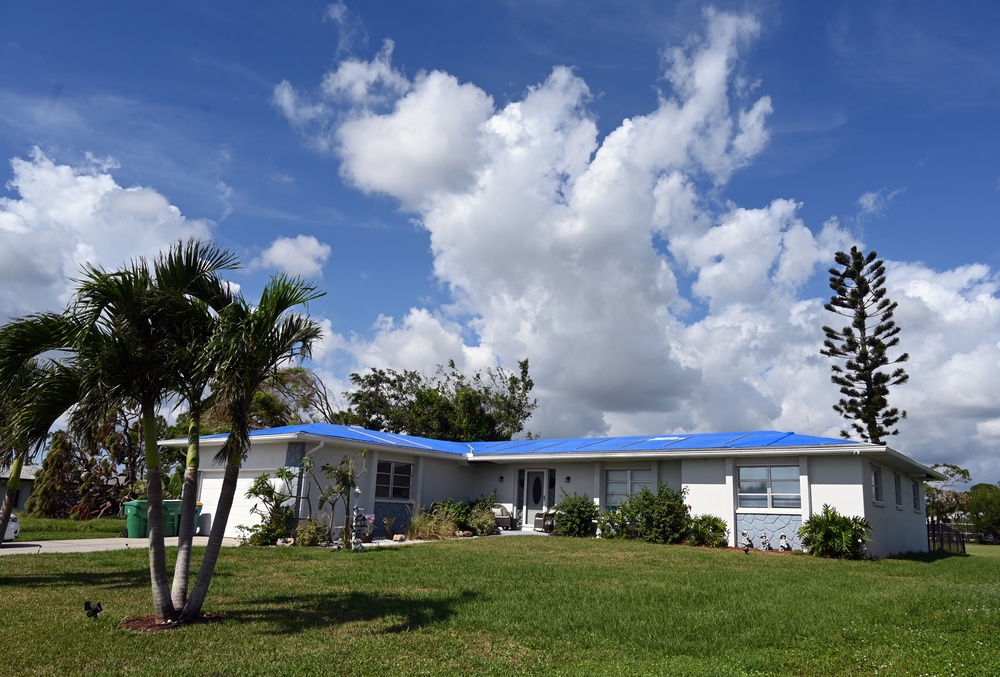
[
  {"x": 517, "y": 605},
  {"x": 46, "y": 529}
]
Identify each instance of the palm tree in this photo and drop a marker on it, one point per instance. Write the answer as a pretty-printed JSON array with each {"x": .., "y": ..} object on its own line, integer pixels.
[
  {"x": 187, "y": 277},
  {"x": 140, "y": 328},
  {"x": 250, "y": 345},
  {"x": 123, "y": 350},
  {"x": 34, "y": 392}
]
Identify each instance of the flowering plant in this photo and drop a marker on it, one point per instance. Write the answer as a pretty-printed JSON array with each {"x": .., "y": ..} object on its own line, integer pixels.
[{"x": 369, "y": 525}]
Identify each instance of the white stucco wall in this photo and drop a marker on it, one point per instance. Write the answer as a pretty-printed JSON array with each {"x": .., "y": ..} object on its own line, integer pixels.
[
  {"x": 709, "y": 484},
  {"x": 895, "y": 528},
  {"x": 837, "y": 481}
]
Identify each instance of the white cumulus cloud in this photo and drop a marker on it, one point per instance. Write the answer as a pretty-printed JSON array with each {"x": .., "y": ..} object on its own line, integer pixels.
[
  {"x": 302, "y": 255},
  {"x": 61, "y": 217},
  {"x": 643, "y": 305}
]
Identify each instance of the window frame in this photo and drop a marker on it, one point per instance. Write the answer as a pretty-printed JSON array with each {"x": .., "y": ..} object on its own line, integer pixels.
[
  {"x": 769, "y": 493},
  {"x": 394, "y": 489},
  {"x": 897, "y": 485},
  {"x": 878, "y": 486},
  {"x": 916, "y": 496},
  {"x": 632, "y": 486}
]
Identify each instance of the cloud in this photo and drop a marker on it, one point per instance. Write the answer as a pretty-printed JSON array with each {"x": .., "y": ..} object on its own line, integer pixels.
[
  {"x": 643, "y": 303},
  {"x": 62, "y": 217},
  {"x": 351, "y": 31},
  {"x": 302, "y": 255},
  {"x": 874, "y": 203}
]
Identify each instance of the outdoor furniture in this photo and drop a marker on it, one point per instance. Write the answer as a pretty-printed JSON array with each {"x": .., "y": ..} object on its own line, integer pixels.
[
  {"x": 504, "y": 519},
  {"x": 545, "y": 521}
]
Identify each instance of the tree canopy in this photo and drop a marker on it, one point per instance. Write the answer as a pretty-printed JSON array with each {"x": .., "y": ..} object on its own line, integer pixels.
[
  {"x": 943, "y": 500},
  {"x": 863, "y": 345},
  {"x": 490, "y": 405},
  {"x": 984, "y": 509}
]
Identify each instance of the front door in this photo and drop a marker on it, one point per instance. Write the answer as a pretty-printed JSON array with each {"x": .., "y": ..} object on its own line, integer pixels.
[{"x": 535, "y": 496}]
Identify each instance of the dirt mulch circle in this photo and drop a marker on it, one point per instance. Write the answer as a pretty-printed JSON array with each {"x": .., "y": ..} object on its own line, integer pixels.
[{"x": 149, "y": 624}]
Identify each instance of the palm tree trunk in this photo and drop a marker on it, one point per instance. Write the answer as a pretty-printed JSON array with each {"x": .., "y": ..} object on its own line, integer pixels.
[
  {"x": 13, "y": 482},
  {"x": 200, "y": 590},
  {"x": 185, "y": 533},
  {"x": 162, "y": 606}
]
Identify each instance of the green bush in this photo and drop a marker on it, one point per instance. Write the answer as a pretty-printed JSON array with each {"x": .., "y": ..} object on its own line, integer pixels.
[
  {"x": 481, "y": 522},
  {"x": 575, "y": 516},
  {"x": 830, "y": 534},
  {"x": 432, "y": 525},
  {"x": 311, "y": 534},
  {"x": 708, "y": 530},
  {"x": 655, "y": 518},
  {"x": 452, "y": 510},
  {"x": 278, "y": 524}
]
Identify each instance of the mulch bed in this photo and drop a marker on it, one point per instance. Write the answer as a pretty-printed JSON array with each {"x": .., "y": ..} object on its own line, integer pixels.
[{"x": 149, "y": 624}]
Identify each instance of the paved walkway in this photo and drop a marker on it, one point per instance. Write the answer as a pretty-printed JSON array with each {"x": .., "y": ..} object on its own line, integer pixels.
[{"x": 93, "y": 545}]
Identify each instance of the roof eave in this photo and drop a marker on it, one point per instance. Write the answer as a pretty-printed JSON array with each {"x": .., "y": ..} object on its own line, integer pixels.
[{"x": 597, "y": 455}]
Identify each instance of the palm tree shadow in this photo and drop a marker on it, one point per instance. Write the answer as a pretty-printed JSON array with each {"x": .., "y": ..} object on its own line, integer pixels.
[
  {"x": 110, "y": 580},
  {"x": 289, "y": 614}
]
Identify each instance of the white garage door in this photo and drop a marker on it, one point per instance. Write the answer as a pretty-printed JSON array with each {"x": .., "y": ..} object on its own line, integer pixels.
[{"x": 211, "y": 486}]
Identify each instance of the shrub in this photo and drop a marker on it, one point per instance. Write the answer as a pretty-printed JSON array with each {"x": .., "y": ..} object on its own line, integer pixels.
[
  {"x": 433, "y": 525},
  {"x": 830, "y": 534},
  {"x": 311, "y": 534},
  {"x": 655, "y": 518},
  {"x": 481, "y": 522},
  {"x": 709, "y": 530},
  {"x": 454, "y": 511},
  {"x": 575, "y": 516},
  {"x": 276, "y": 526}
]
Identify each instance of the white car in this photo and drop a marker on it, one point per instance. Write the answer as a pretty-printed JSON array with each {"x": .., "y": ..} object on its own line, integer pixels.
[{"x": 13, "y": 529}]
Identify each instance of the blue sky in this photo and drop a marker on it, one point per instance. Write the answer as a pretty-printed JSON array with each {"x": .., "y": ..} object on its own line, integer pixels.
[{"x": 642, "y": 198}]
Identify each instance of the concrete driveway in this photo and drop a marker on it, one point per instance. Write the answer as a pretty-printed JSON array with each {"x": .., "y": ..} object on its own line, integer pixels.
[{"x": 94, "y": 544}]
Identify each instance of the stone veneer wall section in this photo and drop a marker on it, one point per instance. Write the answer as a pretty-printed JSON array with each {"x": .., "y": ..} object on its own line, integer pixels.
[{"x": 774, "y": 525}]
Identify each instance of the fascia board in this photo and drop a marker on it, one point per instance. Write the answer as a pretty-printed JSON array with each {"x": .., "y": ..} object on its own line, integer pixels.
[
  {"x": 839, "y": 450},
  {"x": 340, "y": 442}
]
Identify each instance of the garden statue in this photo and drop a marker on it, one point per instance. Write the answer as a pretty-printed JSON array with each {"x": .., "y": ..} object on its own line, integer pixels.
[
  {"x": 783, "y": 544},
  {"x": 765, "y": 544},
  {"x": 360, "y": 524}
]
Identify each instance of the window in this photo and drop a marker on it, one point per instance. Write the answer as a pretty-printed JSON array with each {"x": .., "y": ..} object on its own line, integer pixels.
[
  {"x": 294, "y": 453},
  {"x": 877, "y": 484},
  {"x": 897, "y": 482},
  {"x": 620, "y": 484},
  {"x": 392, "y": 479},
  {"x": 916, "y": 496},
  {"x": 769, "y": 487}
]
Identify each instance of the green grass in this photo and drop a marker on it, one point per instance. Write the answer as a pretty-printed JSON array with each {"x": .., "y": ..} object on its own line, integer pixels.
[
  {"x": 45, "y": 529},
  {"x": 510, "y": 606}
]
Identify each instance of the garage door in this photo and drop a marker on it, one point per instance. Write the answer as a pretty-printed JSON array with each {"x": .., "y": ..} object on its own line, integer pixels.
[{"x": 211, "y": 487}]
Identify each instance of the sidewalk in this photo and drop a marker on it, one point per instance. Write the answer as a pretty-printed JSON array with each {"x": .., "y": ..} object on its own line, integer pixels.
[{"x": 94, "y": 545}]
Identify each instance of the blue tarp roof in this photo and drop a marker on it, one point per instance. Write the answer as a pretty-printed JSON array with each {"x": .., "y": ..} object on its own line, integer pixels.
[{"x": 583, "y": 445}]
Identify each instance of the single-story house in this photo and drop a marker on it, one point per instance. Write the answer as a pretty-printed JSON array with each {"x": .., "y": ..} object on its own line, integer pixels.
[
  {"x": 24, "y": 486},
  {"x": 758, "y": 482}
]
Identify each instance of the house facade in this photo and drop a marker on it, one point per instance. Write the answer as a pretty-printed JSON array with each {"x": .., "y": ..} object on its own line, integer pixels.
[
  {"x": 764, "y": 483},
  {"x": 25, "y": 485}
]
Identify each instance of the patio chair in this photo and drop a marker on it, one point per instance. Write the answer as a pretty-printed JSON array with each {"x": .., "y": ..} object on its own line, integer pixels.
[{"x": 504, "y": 519}]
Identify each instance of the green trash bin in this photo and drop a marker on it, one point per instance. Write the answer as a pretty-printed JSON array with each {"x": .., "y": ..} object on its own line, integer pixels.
[
  {"x": 136, "y": 519},
  {"x": 171, "y": 517}
]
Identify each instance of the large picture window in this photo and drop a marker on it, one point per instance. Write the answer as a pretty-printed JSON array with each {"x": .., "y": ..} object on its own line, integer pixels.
[
  {"x": 619, "y": 485},
  {"x": 392, "y": 480},
  {"x": 769, "y": 487}
]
